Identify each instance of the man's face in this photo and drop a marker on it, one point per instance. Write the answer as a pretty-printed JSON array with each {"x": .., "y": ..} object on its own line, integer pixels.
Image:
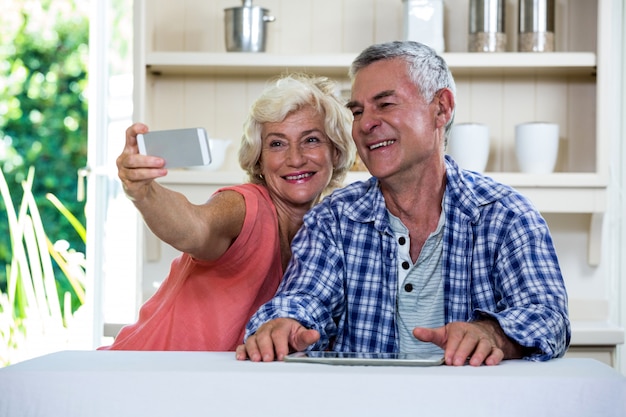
[{"x": 394, "y": 129}]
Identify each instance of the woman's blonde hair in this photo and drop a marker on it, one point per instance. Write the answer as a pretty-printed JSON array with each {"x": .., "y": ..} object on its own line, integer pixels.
[{"x": 286, "y": 95}]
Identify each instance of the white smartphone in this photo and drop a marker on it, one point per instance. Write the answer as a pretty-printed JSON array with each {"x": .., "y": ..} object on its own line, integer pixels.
[
  {"x": 365, "y": 358},
  {"x": 179, "y": 147}
]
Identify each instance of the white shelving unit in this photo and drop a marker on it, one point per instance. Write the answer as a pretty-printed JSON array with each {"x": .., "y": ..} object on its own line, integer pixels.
[
  {"x": 184, "y": 77},
  {"x": 559, "y": 192}
]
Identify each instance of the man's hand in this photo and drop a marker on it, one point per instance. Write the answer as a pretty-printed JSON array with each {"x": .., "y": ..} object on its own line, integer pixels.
[
  {"x": 275, "y": 339},
  {"x": 482, "y": 342}
]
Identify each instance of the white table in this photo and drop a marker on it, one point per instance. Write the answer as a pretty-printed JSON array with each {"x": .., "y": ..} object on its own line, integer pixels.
[{"x": 187, "y": 384}]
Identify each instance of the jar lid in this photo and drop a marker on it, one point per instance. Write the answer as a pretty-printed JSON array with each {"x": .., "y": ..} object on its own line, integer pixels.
[
  {"x": 536, "y": 16},
  {"x": 486, "y": 16}
]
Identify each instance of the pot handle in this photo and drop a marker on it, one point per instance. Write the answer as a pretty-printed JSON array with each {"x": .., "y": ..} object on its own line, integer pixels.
[
  {"x": 268, "y": 18},
  {"x": 246, "y": 3}
]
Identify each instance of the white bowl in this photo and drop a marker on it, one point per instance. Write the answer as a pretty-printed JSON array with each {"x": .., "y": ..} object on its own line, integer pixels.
[{"x": 218, "y": 148}]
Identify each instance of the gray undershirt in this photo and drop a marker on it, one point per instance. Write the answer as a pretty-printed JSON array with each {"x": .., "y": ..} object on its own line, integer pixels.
[{"x": 420, "y": 288}]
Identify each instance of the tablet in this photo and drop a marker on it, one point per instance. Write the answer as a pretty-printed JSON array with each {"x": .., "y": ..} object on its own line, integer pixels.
[
  {"x": 179, "y": 147},
  {"x": 363, "y": 358}
]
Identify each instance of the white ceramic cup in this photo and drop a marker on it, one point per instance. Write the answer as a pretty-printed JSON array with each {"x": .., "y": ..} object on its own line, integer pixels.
[
  {"x": 468, "y": 145},
  {"x": 537, "y": 147}
]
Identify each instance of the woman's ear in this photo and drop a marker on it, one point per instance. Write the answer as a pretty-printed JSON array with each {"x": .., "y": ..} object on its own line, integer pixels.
[{"x": 336, "y": 157}]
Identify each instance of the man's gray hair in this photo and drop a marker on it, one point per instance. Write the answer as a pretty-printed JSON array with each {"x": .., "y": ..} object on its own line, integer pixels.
[{"x": 427, "y": 69}]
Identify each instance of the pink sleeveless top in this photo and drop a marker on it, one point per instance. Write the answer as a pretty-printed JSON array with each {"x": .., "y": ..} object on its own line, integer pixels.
[{"x": 205, "y": 305}]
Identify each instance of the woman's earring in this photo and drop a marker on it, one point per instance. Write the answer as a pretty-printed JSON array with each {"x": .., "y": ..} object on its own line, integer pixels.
[{"x": 261, "y": 177}]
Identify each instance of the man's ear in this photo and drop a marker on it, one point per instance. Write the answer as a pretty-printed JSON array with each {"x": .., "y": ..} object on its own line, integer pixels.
[{"x": 445, "y": 106}]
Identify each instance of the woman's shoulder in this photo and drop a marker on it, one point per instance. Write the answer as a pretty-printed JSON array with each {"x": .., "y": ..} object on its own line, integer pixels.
[
  {"x": 254, "y": 194},
  {"x": 246, "y": 189}
]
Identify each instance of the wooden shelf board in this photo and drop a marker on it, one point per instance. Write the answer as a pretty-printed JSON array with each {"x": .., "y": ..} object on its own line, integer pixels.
[
  {"x": 241, "y": 63},
  {"x": 553, "y": 193}
]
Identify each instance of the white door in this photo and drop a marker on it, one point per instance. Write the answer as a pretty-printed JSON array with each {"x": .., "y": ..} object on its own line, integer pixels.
[{"x": 112, "y": 221}]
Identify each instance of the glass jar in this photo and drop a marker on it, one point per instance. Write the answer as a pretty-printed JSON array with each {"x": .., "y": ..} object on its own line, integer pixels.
[
  {"x": 536, "y": 26},
  {"x": 486, "y": 26},
  {"x": 423, "y": 22}
]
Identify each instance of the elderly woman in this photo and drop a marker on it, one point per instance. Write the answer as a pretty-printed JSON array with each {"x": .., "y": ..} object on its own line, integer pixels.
[{"x": 296, "y": 148}]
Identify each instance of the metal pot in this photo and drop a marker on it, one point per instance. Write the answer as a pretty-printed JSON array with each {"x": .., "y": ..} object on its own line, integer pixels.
[{"x": 245, "y": 27}]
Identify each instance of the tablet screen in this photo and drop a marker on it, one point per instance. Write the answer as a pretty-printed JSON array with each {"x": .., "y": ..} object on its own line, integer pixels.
[{"x": 365, "y": 358}]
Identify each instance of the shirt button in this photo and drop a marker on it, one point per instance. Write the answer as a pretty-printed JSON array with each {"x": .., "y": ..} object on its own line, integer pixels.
[
  {"x": 408, "y": 287},
  {"x": 405, "y": 265},
  {"x": 402, "y": 240}
]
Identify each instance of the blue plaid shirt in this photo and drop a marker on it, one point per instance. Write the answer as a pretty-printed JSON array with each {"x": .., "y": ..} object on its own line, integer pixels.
[{"x": 498, "y": 260}]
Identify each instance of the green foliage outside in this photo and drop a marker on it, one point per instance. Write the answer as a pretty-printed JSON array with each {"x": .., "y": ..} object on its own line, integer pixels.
[
  {"x": 35, "y": 316},
  {"x": 43, "y": 115}
]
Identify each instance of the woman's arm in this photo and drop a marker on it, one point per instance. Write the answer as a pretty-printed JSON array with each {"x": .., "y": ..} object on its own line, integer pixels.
[{"x": 203, "y": 231}]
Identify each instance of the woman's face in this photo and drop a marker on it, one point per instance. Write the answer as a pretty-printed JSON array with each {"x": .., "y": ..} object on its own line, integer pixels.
[{"x": 297, "y": 158}]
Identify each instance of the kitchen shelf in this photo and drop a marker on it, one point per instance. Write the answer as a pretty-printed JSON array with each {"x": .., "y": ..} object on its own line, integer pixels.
[
  {"x": 552, "y": 193},
  {"x": 594, "y": 333},
  {"x": 241, "y": 63},
  {"x": 202, "y": 177}
]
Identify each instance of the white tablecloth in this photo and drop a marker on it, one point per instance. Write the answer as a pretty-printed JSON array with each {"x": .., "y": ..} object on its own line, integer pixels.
[{"x": 185, "y": 384}]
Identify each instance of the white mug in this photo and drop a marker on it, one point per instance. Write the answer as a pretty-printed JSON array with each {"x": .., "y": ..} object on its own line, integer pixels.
[
  {"x": 468, "y": 145},
  {"x": 537, "y": 146}
]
